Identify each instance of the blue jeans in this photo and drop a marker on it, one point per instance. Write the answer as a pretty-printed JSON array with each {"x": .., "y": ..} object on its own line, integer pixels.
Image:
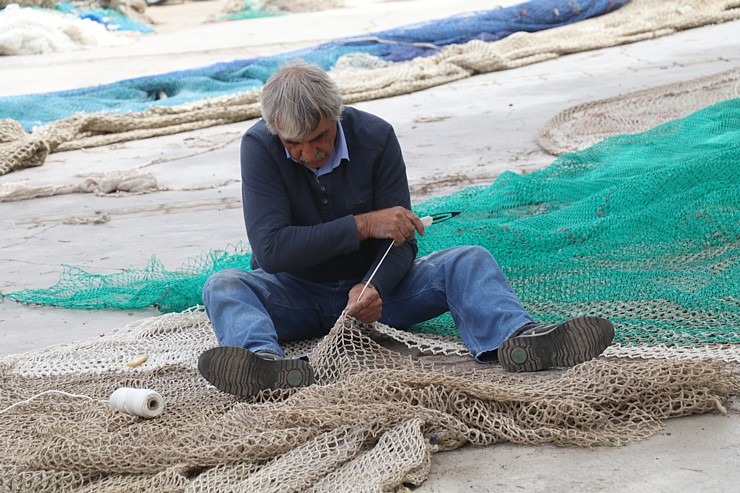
[{"x": 257, "y": 310}]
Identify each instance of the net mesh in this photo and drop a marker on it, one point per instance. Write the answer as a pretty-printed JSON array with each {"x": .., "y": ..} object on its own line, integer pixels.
[
  {"x": 641, "y": 229},
  {"x": 370, "y": 423},
  {"x": 32, "y": 30},
  {"x": 583, "y": 125},
  {"x": 250, "y": 9},
  {"x": 27, "y": 3},
  {"x": 405, "y": 60}
]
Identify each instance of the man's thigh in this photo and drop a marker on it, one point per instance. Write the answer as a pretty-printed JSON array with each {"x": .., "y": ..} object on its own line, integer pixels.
[
  {"x": 302, "y": 309},
  {"x": 420, "y": 296}
]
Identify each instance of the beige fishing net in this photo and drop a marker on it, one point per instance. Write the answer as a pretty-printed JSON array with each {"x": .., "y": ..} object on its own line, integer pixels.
[
  {"x": 636, "y": 21},
  {"x": 583, "y": 125},
  {"x": 18, "y": 150},
  {"x": 28, "y": 3},
  {"x": 370, "y": 423},
  {"x": 111, "y": 183}
]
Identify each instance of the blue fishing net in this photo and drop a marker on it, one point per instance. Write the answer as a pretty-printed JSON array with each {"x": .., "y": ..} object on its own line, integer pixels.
[
  {"x": 180, "y": 87},
  {"x": 113, "y": 20}
]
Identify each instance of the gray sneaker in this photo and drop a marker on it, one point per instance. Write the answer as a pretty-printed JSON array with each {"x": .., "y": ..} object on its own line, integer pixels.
[
  {"x": 238, "y": 371},
  {"x": 554, "y": 346}
]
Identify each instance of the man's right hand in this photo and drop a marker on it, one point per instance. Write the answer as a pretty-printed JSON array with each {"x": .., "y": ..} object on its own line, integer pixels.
[{"x": 397, "y": 223}]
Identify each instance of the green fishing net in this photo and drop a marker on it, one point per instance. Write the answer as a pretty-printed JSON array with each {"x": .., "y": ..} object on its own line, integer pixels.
[
  {"x": 248, "y": 9},
  {"x": 642, "y": 229}
]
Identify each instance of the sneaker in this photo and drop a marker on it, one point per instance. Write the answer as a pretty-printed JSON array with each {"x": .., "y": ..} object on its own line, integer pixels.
[
  {"x": 552, "y": 346},
  {"x": 238, "y": 371}
]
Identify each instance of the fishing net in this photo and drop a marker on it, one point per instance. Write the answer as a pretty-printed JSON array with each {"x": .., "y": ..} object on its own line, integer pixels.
[
  {"x": 583, "y": 125},
  {"x": 17, "y": 149},
  {"x": 115, "y": 15},
  {"x": 404, "y": 60},
  {"x": 250, "y": 9},
  {"x": 641, "y": 229},
  {"x": 228, "y": 78},
  {"x": 27, "y": 3},
  {"x": 370, "y": 423},
  {"x": 31, "y": 31}
]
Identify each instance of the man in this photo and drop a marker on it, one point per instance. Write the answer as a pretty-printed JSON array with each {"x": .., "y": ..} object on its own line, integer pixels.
[{"x": 324, "y": 194}]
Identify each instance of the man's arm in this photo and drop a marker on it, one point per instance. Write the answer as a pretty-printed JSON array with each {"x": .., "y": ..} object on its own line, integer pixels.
[
  {"x": 392, "y": 218},
  {"x": 393, "y": 221}
]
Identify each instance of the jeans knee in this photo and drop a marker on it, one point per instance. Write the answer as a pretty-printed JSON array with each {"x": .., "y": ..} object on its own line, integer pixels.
[
  {"x": 221, "y": 282},
  {"x": 476, "y": 255}
]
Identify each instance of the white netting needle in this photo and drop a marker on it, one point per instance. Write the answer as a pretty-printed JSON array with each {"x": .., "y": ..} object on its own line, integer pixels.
[
  {"x": 426, "y": 221},
  {"x": 376, "y": 270}
]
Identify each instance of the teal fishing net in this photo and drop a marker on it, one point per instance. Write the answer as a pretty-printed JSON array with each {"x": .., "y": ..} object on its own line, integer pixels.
[
  {"x": 642, "y": 229},
  {"x": 250, "y": 10}
]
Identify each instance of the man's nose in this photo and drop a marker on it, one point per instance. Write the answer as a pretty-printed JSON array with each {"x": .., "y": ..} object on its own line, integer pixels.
[{"x": 308, "y": 151}]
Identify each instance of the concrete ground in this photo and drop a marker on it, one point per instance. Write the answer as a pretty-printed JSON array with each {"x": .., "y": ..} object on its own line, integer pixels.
[{"x": 452, "y": 136}]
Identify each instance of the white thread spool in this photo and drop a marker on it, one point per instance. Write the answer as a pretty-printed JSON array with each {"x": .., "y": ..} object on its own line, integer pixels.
[{"x": 137, "y": 402}]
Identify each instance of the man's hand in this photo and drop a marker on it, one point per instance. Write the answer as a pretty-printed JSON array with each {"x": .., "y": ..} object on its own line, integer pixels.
[
  {"x": 369, "y": 308},
  {"x": 397, "y": 223}
]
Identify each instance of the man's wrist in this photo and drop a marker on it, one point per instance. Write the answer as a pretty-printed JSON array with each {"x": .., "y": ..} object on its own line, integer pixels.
[
  {"x": 361, "y": 226},
  {"x": 374, "y": 287}
]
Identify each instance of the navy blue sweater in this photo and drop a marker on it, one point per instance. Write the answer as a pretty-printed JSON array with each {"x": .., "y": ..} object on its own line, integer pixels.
[{"x": 304, "y": 225}]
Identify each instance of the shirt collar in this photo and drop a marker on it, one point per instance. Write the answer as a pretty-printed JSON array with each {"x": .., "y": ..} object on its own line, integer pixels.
[{"x": 340, "y": 152}]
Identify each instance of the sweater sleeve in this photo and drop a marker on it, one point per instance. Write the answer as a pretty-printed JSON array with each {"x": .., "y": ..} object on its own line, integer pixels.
[{"x": 390, "y": 189}]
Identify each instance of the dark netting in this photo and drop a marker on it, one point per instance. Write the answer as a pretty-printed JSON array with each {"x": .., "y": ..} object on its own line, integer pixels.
[{"x": 641, "y": 229}]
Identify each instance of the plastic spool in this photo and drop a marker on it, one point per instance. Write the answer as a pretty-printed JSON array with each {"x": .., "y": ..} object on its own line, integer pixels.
[{"x": 137, "y": 402}]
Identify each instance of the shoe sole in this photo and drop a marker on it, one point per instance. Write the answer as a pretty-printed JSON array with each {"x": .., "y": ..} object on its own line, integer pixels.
[
  {"x": 238, "y": 371},
  {"x": 568, "y": 344}
]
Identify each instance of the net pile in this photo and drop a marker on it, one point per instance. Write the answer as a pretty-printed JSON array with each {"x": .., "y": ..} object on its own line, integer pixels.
[
  {"x": 641, "y": 229},
  {"x": 27, "y": 3},
  {"x": 31, "y": 31},
  {"x": 583, "y": 125},
  {"x": 370, "y": 423},
  {"x": 115, "y": 15},
  {"x": 128, "y": 182},
  {"x": 405, "y": 60},
  {"x": 250, "y": 9},
  {"x": 17, "y": 149}
]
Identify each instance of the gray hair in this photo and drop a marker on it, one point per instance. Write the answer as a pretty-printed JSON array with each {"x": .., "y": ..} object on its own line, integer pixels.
[{"x": 294, "y": 99}]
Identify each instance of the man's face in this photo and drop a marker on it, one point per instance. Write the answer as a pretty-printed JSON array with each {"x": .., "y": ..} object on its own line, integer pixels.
[{"x": 313, "y": 150}]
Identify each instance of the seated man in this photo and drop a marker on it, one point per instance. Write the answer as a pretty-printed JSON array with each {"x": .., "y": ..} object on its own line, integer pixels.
[{"x": 324, "y": 194}]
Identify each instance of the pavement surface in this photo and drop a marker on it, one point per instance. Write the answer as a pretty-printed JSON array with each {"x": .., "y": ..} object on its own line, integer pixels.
[{"x": 452, "y": 136}]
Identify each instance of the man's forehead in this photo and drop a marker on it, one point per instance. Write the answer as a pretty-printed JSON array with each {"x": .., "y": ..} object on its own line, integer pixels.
[{"x": 324, "y": 125}]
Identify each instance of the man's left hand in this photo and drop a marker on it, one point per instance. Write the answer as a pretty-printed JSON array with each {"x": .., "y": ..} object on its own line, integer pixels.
[{"x": 369, "y": 308}]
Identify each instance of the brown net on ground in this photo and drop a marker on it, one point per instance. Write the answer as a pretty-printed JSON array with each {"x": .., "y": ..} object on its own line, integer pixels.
[
  {"x": 586, "y": 124},
  {"x": 18, "y": 150},
  {"x": 369, "y": 424},
  {"x": 638, "y": 20},
  {"x": 28, "y": 3}
]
